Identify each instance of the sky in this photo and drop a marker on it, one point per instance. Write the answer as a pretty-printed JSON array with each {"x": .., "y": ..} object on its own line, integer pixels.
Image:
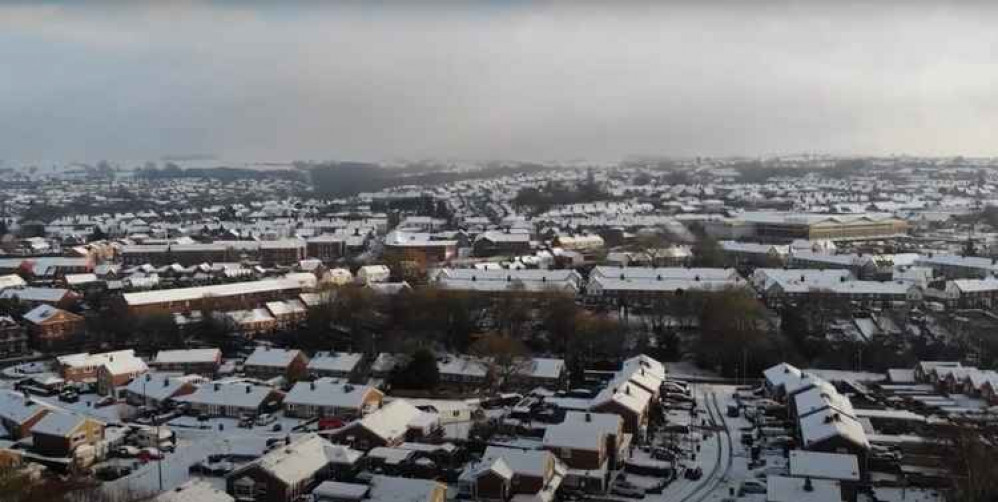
[{"x": 515, "y": 80}]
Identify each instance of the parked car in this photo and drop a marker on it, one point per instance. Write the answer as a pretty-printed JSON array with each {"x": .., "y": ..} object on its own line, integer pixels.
[
  {"x": 265, "y": 419},
  {"x": 330, "y": 423},
  {"x": 751, "y": 486},
  {"x": 733, "y": 410},
  {"x": 693, "y": 473},
  {"x": 69, "y": 396},
  {"x": 127, "y": 451},
  {"x": 626, "y": 489},
  {"x": 148, "y": 454},
  {"x": 112, "y": 472}
]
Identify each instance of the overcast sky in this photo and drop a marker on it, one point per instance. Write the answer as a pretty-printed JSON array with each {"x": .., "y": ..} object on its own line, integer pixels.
[{"x": 511, "y": 80}]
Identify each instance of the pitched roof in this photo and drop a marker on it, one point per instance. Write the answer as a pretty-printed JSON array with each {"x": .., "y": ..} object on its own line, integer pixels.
[
  {"x": 328, "y": 392},
  {"x": 273, "y": 357}
]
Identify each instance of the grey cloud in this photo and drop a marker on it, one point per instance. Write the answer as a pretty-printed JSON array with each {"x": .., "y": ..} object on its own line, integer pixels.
[{"x": 526, "y": 81}]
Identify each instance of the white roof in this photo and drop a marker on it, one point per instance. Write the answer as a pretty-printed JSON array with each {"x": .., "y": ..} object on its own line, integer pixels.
[
  {"x": 17, "y": 407},
  {"x": 577, "y": 435},
  {"x": 194, "y": 491},
  {"x": 335, "y": 361},
  {"x": 229, "y": 394},
  {"x": 824, "y": 465},
  {"x": 785, "y": 489},
  {"x": 521, "y": 462},
  {"x": 390, "y": 489},
  {"x": 218, "y": 290},
  {"x": 547, "y": 368},
  {"x": 11, "y": 281},
  {"x": 32, "y": 294},
  {"x": 288, "y": 307},
  {"x": 85, "y": 359},
  {"x": 156, "y": 386},
  {"x": 300, "y": 460},
  {"x": 57, "y": 423},
  {"x": 392, "y": 421},
  {"x": 462, "y": 365},
  {"x": 189, "y": 356},
  {"x": 339, "y": 491},
  {"x": 41, "y": 314},
  {"x": 829, "y": 423},
  {"x": 272, "y": 357},
  {"x": 327, "y": 392}
]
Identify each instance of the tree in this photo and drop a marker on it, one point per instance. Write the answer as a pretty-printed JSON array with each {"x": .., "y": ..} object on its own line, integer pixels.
[
  {"x": 733, "y": 334},
  {"x": 708, "y": 253},
  {"x": 419, "y": 372},
  {"x": 97, "y": 235},
  {"x": 970, "y": 457},
  {"x": 507, "y": 356},
  {"x": 560, "y": 313}
]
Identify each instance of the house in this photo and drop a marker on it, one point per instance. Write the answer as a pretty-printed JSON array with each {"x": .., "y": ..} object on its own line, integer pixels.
[
  {"x": 611, "y": 427},
  {"x": 460, "y": 371},
  {"x": 117, "y": 373},
  {"x": 628, "y": 400},
  {"x": 231, "y": 400},
  {"x": 343, "y": 365},
  {"x": 338, "y": 491},
  {"x": 373, "y": 273},
  {"x": 266, "y": 363},
  {"x": 32, "y": 296},
  {"x": 49, "y": 325},
  {"x": 487, "y": 479},
  {"x": 582, "y": 447},
  {"x": 287, "y": 313},
  {"x": 13, "y": 337},
  {"x": 83, "y": 367},
  {"x": 507, "y": 243},
  {"x": 326, "y": 247},
  {"x": 156, "y": 389},
  {"x": 420, "y": 248},
  {"x": 60, "y": 433},
  {"x": 285, "y": 474},
  {"x": 832, "y": 431},
  {"x": 391, "y": 425},
  {"x": 204, "y": 362},
  {"x": 542, "y": 372},
  {"x": 194, "y": 491},
  {"x": 839, "y": 467},
  {"x": 251, "y": 323},
  {"x": 19, "y": 413},
  {"x": 391, "y": 489},
  {"x": 507, "y": 472},
  {"x": 924, "y": 370},
  {"x": 326, "y": 397}
]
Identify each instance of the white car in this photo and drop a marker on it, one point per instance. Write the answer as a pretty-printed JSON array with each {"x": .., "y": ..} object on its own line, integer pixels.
[{"x": 265, "y": 419}]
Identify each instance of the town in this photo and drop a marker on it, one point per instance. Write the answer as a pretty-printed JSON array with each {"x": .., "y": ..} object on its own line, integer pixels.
[{"x": 797, "y": 328}]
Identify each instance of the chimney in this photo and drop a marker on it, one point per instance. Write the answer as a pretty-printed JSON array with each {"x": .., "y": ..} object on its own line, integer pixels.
[
  {"x": 627, "y": 390},
  {"x": 166, "y": 382},
  {"x": 218, "y": 387},
  {"x": 808, "y": 485},
  {"x": 148, "y": 377},
  {"x": 249, "y": 388},
  {"x": 311, "y": 385},
  {"x": 589, "y": 417}
]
